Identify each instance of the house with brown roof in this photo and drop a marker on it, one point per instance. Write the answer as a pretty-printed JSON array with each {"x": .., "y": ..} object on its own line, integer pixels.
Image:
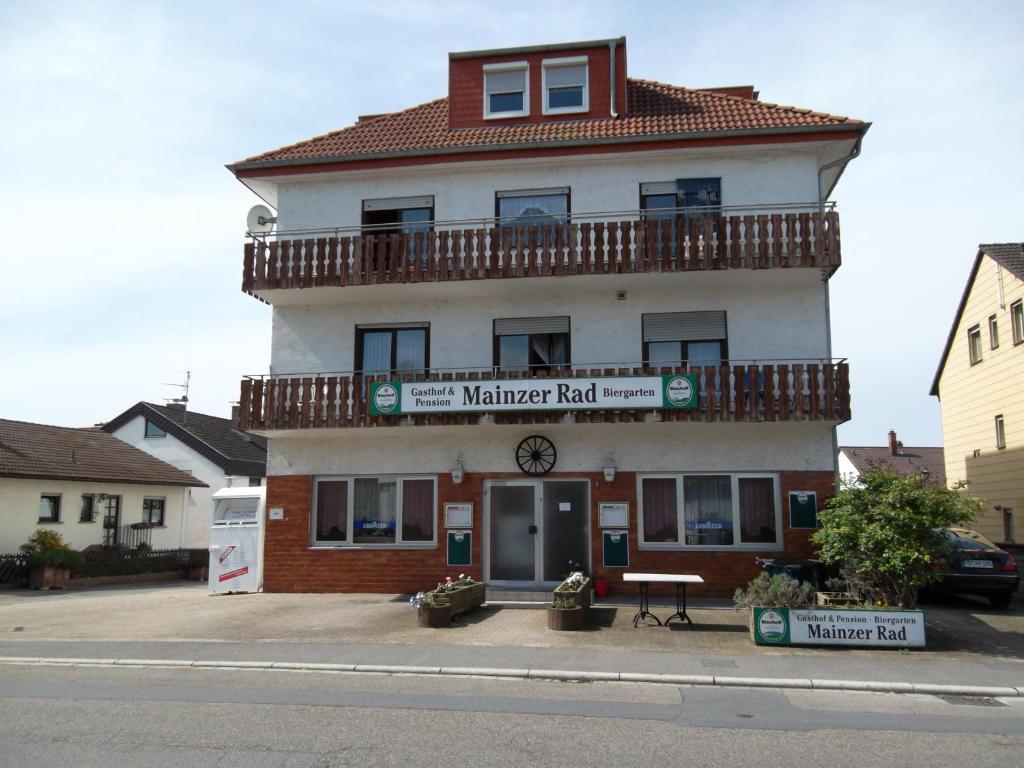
[
  {"x": 561, "y": 313},
  {"x": 209, "y": 448},
  {"x": 978, "y": 386},
  {"x": 894, "y": 457},
  {"x": 89, "y": 486}
]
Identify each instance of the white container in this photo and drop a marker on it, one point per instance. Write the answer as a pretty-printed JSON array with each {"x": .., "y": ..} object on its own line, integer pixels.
[{"x": 236, "y": 540}]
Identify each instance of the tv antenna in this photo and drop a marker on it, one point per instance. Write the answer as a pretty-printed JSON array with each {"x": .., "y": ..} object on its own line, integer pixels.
[{"x": 183, "y": 398}]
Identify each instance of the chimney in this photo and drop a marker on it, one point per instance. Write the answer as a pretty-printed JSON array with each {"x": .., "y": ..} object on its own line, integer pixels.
[
  {"x": 894, "y": 445},
  {"x": 236, "y": 416}
]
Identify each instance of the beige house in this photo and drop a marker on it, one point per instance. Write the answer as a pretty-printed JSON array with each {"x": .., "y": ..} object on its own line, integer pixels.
[
  {"x": 90, "y": 487},
  {"x": 978, "y": 384}
]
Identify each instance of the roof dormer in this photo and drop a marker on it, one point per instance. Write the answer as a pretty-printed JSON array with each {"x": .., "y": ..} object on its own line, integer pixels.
[{"x": 536, "y": 84}]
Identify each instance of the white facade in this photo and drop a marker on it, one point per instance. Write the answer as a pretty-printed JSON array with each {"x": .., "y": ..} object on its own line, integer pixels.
[
  {"x": 20, "y": 501},
  {"x": 198, "y": 502},
  {"x": 848, "y": 474}
]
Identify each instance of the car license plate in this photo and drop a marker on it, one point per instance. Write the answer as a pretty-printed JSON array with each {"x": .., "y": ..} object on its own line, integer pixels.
[{"x": 977, "y": 564}]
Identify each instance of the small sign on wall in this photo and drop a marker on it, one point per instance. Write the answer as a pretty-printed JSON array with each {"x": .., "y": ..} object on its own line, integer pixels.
[
  {"x": 803, "y": 509},
  {"x": 458, "y": 515},
  {"x": 615, "y": 545},
  {"x": 460, "y": 547},
  {"x": 613, "y": 514},
  {"x": 275, "y": 513}
]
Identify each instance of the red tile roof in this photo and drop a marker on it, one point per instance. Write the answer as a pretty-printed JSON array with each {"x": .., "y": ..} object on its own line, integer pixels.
[
  {"x": 65, "y": 453},
  {"x": 909, "y": 461},
  {"x": 655, "y": 109}
]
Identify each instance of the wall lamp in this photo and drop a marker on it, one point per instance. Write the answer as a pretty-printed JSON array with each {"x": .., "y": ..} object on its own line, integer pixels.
[
  {"x": 458, "y": 471},
  {"x": 609, "y": 469}
]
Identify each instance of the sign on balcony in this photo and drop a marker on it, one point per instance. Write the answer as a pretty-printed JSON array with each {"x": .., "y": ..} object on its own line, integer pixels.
[{"x": 677, "y": 391}]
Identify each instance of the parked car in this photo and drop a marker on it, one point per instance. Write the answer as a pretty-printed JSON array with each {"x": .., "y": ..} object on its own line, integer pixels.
[{"x": 979, "y": 567}]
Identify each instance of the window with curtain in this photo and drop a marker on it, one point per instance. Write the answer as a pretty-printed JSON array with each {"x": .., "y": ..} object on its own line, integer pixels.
[
  {"x": 392, "y": 351},
  {"x": 674, "y": 338},
  {"x": 545, "y": 209},
  {"x": 707, "y": 505},
  {"x": 713, "y": 511},
  {"x": 332, "y": 510},
  {"x": 531, "y": 343},
  {"x": 49, "y": 508},
  {"x": 153, "y": 511},
  {"x": 375, "y": 511},
  {"x": 757, "y": 510},
  {"x": 660, "y": 509}
]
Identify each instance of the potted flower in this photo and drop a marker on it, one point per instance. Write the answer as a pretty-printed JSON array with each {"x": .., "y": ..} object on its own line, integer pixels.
[
  {"x": 564, "y": 614},
  {"x": 430, "y": 612},
  {"x": 577, "y": 586},
  {"x": 50, "y": 560},
  {"x": 462, "y": 594}
]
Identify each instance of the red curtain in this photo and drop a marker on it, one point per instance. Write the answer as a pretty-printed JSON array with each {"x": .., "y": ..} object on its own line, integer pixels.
[
  {"x": 757, "y": 510},
  {"x": 661, "y": 521},
  {"x": 332, "y": 510},
  {"x": 418, "y": 510}
]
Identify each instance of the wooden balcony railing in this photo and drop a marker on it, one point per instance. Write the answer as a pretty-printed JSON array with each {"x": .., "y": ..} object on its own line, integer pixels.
[
  {"x": 731, "y": 392},
  {"x": 776, "y": 238}
]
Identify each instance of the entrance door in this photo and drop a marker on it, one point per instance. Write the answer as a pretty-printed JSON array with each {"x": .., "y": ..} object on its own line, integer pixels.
[
  {"x": 537, "y": 530},
  {"x": 112, "y": 521},
  {"x": 513, "y": 532}
]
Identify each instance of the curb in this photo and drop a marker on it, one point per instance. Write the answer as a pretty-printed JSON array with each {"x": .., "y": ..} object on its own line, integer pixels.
[{"x": 561, "y": 675}]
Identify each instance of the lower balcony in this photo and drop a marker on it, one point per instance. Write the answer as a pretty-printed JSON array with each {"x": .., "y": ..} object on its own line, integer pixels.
[{"x": 734, "y": 391}]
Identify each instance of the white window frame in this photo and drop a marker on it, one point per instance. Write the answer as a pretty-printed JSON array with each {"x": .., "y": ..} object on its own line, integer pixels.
[
  {"x": 507, "y": 66},
  {"x": 567, "y": 61},
  {"x": 1017, "y": 321},
  {"x": 993, "y": 332},
  {"x": 350, "y": 517},
  {"x": 974, "y": 332},
  {"x": 1000, "y": 424},
  {"x": 734, "y": 477}
]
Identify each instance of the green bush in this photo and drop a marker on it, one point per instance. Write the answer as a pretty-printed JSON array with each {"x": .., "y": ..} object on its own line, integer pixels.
[
  {"x": 48, "y": 549},
  {"x": 778, "y": 591}
]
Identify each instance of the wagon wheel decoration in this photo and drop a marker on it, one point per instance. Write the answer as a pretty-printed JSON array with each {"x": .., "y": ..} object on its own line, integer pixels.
[{"x": 536, "y": 455}]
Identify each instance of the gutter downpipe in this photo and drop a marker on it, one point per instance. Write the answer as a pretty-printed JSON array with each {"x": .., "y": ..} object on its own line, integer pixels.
[
  {"x": 611, "y": 78},
  {"x": 822, "y": 195}
]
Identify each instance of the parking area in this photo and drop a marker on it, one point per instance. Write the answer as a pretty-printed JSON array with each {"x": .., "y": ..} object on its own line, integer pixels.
[{"x": 184, "y": 611}]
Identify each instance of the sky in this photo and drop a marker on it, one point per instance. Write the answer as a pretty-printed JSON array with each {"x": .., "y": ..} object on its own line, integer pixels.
[{"x": 120, "y": 265}]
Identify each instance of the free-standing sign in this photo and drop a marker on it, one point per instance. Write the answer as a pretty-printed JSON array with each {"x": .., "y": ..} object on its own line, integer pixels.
[
  {"x": 584, "y": 393},
  {"x": 832, "y": 626}
]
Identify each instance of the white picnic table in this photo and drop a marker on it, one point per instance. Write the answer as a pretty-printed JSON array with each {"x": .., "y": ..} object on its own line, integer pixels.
[{"x": 679, "y": 579}]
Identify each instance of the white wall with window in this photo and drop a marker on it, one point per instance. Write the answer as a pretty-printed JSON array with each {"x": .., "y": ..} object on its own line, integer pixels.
[
  {"x": 375, "y": 511},
  {"x": 709, "y": 511}
]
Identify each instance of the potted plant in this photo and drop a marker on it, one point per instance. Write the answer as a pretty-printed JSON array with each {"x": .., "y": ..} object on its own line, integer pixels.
[
  {"x": 577, "y": 586},
  {"x": 430, "y": 612},
  {"x": 564, "y": 614},
  {"x": 50, "y": 560},
  {"x": 772, "y": 592}
]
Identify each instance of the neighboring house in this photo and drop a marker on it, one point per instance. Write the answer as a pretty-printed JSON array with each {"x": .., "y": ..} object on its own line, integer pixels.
[
  {"x": 207, "y": 446},
  {"x": 474, "y": 303},
  {"x": 88, "y": 486},
  {"x": 978, "y": 384},
  {"x": 894, "y": 457}
]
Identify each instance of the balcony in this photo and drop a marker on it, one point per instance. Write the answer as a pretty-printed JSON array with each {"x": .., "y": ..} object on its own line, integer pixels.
[
  {"x": 735, "y": 391},
  {"x": 623, "y": 242}
]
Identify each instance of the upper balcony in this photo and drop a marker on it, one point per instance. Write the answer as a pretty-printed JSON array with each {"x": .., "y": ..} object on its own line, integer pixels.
[{"x": 616, "y": 242}]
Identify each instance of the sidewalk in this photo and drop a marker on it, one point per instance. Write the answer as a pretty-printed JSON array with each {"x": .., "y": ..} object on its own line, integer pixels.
[{"x": 181, "y": 621}]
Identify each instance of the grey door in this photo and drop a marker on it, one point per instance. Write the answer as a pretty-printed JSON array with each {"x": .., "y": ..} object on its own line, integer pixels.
[
  {"x": 566, "y": 527},
  {"x": 513, "y": 532}
]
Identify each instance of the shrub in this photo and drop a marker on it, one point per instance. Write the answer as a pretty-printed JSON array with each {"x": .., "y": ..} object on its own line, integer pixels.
[
  {"x": 48, "y": 549},
  {"x": 778, "y": 591}
]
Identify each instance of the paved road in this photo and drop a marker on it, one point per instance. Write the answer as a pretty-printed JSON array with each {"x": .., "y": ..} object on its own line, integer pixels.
[{"x": 192, "y": 717}]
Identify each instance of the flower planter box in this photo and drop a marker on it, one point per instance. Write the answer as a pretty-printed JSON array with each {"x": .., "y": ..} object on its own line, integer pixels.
[
  {"x": 837, "y": 599},
  {"x": 581, "y": 593},
  {"x": 853, "y": 627},
  {"x": 434, "y": 616},
  {"x": 464, "y": 599},
  {"x": 48, "y": 577},
  {"x": 566, "y": 619}
]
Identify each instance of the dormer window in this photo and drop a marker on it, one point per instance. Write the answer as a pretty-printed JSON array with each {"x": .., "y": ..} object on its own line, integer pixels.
[
  {"x": 565, "y": 85},
  {"x": 506, "y": 90}
]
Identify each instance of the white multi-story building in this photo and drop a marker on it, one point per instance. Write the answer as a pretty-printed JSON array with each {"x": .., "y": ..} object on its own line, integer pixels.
[{"x": 561, "y": 314}]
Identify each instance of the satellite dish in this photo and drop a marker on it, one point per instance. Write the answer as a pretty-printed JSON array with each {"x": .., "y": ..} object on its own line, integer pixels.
[{"x": 260, "y": 220}]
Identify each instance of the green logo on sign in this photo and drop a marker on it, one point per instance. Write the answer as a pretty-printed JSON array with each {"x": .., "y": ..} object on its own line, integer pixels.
[
  {"x": 680, "y": 391},
  {"x": 771, "y": 626},
  {"x": 385, "y": 398}
]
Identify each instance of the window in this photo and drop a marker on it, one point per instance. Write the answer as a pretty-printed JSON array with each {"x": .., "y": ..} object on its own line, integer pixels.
[
  {"x": 255, "y": 482},
  {"x": 974, "y": 344},
  {"x": 153, "y": 511},
  {"x": 1008, "y": 525},
  {"x": 993, "y": 332},
  {"x": 398, "y": 214},
  {"x": 506, "y": 90},
  {"x": 1000, "y": 432},
  {"x": 375, "y": 510},
  {"x": 712, "y": 510},
  {"x": 49, "y": 508},
  {"x": 544, "y": 209},
  {"x": 87, "y": 514},
  {"x": 1017, "y": 321},
  {"x": 672, "y": 338},
  {"x": 531, "y": 343},
  {"x": 681, "y": 199},
  {"x": 152, "y": 430},
  {"x": 392, "y": 351},
  {"x": 565, "y": 85}
]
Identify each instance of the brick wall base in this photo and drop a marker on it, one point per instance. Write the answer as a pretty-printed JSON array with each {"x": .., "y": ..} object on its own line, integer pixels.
[{"x": 291, "y": 565}]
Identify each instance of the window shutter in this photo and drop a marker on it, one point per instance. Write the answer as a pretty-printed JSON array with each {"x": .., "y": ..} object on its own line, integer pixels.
[
  {"x": 684, "y": 326},
  {"x": 558, "y": 77},
  {"x": 398, "y": 203},
  {"x": 521, "y": 326},
  {"x": 502, "y": 82}
]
